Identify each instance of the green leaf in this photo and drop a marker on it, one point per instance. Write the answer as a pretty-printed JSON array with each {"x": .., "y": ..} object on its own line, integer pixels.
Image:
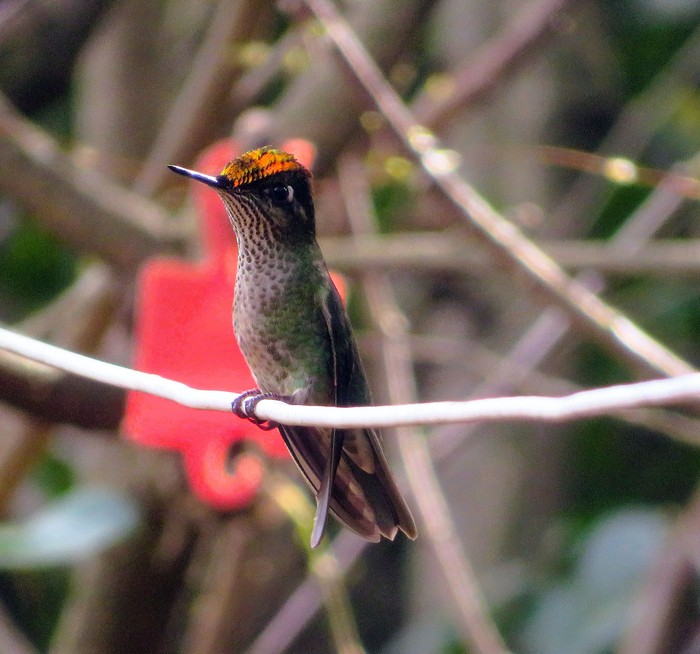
[
  {"x": 586, "y": 612},
  {"x": 79, "y": 524}
]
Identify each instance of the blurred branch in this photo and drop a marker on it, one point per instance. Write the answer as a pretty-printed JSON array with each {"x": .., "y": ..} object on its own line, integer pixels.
[
  {"x": 486, "y": 68},
  {"x": 608, "y": 325},
  {"x": 323, "y": 565},
  {"x": 20, "y": 452},
  {"x": 81, "y": 314},
  {"x": 120, "y": 601},
  {"x": 240, "y": 571},
  {"x": 305, "y": 602},
  {"x": 543, "y": 336},
  {"x": 252, "y": 83},
  {"x": 474, "y": 357},
  {"x": 47, "y": 395},
  {"x": 83, "y": 208},
  {"x": 633, "y": 128},
  {"x": 440, "y": 251},
  {"x": 323, "y": 104},
  {"x": 458, "y": 572},
  {"x": 664, "y": 618},
  {"x": 12, "y": 640},
  {"x": 192, "y": 119},
  {"x": 76, "y": 318},
  {"x": 39, "y": 41},
  {"x": 338, "y": 608}
]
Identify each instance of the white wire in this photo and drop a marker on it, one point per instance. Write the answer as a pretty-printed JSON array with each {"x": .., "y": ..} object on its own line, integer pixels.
[{"x": 589, "y": 403}]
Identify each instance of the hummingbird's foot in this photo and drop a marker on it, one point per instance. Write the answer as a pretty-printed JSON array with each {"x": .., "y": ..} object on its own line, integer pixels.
[{"x": 244, "y": 407}]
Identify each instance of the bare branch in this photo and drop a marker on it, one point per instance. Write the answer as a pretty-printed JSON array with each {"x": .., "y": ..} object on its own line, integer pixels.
[
  {"x": 191, "y": 121},
  {"x": 633, "y": 130},
  {"x": 323, "y": 104},
  {"x": 498, "y": 57},
  {"x": 439, "y": 251},
  {"x": 459, "y": 574},
  {"x": 76, "y": 319},
  {"x": 608, "y": 325},
  {"x": 305, "y": 602},
  {"x": 84, "y": 208}
]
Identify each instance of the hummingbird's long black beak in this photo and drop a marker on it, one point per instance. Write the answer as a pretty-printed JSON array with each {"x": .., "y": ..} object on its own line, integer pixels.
[{"x": 215, "y": 182}]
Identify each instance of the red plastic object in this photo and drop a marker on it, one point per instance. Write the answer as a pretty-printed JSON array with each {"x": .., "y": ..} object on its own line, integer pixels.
[{"x": 183, "y": 331}]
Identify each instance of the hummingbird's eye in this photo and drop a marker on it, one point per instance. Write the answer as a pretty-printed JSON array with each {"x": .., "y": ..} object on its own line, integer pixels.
[{"x": 281, "y": 194}]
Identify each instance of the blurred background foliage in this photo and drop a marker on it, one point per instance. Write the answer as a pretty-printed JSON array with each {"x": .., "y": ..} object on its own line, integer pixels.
[{"x": 583, "y": 536}]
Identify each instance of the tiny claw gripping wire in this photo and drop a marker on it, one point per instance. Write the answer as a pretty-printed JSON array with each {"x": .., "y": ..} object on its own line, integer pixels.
[{"x": 244, "y": 407}]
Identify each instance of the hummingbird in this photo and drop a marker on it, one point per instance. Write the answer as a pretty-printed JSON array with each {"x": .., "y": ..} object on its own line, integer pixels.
[{"x": 296, "y": 338}]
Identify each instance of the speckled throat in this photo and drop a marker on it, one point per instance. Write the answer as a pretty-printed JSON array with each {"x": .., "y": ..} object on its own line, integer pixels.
[{"x": 280, "y": 282}]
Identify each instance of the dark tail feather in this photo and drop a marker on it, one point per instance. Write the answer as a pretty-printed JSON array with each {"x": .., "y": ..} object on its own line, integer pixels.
[
  {"x": 370, "y": 504},
  {"x": 383, "y": 492},
  {"x": 327, "y": 483}
]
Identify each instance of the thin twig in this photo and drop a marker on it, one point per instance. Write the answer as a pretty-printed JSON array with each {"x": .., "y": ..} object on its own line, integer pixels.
[
  {"x": 608, "y": 325},
  {"x": 84, "y": 208},
  {"x": 77, "y": 318},
  {"x": 305, "y": 602},
  {"x": 474, "y": 357},
  {"x": 543, "y": 336},
  {"x": 326, "y": 570},
  {"x": 477, "y": 627},
  {"x": 444, "y": 251},
  {"x": 487, "y": 67},
  {"x": 323, "y": 103},
  {"x": 633, "y": 129},
  {"x": 192, "y": 116}
]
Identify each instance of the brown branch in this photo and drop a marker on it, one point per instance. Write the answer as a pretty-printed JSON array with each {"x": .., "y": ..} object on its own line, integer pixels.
[
  {"x": 323, "y": 103},
  {"x": 76, "y": 319},
  {"x": 543, "y": 336},
  {"x": 444, "y": 251},
  {"x": 664, "y": 618},
  {"x": 63, "y": 398},
  {"x": 486, "y": 68},
  {"x": 85, "y": 209},
  {"x": 613, "y": 329},
  {"x": 476, "y": 626},
  {"x": 233, "y": 604},
  {"x": 474, "y": 357},
  {"x": 305, "y": 602},
  {"x": 192, "y": 120}
]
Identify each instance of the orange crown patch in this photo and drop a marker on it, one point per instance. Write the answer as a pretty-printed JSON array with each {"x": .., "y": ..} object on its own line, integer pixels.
[{"x": 258, "y": 164}]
